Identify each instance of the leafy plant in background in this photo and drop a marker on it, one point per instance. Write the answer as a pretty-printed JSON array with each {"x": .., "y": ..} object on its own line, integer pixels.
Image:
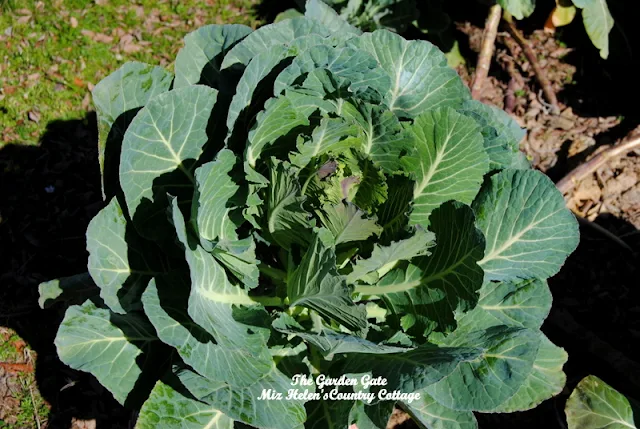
[
  {"x": 309, "y": 199},
  {"x": 596, "y": 405}
]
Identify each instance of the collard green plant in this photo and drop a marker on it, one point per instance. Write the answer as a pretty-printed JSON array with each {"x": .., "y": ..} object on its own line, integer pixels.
[
  {"x": 595, "y": 405},
  {"x": 310, "y": 199}
]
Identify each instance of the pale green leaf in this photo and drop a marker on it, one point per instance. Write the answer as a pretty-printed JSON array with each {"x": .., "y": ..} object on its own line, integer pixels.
[
  {"x": 167, "y": 136},
  {"x": 518, "y": 8},
  {"x": 167, "y": 408},
  {"x": 528, "y": 229},
  {"x": 598, "y": 22},
  {"x": 449, "y": 161},
  {"x": 596, "y": 405},
  {"x": 117, "y": 99},
  {"x": 319, "y": 11},
  {"x": 374, "y": 416},
  {"x": 347, "y": 222},
  {"x": 239, "y": 257},
  {"x": 200, "y": 59},
  {"x": 485, "y": 383},
  {"x": 107, "y": 345},
  {"x": 421, "y": 80},
  {"x": 332, "y": 135},
  {"x": 428, "y": 413},
  {"x": 74, "y": 289}
]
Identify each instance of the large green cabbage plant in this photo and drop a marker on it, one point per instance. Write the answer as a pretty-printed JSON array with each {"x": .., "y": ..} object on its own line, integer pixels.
[{"x": 308, "y": 199}]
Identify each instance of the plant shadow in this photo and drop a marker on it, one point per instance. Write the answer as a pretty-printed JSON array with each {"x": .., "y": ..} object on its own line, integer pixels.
[{"x": 48, "y": 195}]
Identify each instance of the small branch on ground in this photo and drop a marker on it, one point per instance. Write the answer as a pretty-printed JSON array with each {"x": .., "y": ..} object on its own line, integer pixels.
[
  {"x": 486, "y": 52},
  {"x": 531, "y": 57},
  {"x": 604, "y": 231},
  {"x": 567, "y": 183}
]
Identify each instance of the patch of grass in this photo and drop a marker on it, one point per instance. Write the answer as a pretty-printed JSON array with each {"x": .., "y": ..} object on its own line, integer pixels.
[{"x": 53, "y": 52}]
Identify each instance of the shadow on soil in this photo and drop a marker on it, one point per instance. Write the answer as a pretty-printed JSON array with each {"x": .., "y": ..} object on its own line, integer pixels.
[{"x": 48, "y": 195}]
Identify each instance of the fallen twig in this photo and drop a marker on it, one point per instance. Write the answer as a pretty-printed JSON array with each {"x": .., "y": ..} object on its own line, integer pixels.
[
  {"x": 604, "y": 231},
  {"x": 531, "y": 57},
  {"x": 486, "y": 52},
  {"x": 567, "y": 183}
]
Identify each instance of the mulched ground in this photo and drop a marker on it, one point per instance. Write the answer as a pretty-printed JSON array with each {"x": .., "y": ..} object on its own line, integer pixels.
[{"x": 50, "y": 192}]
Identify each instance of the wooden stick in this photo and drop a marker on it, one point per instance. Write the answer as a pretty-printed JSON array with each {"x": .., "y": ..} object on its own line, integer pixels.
[
  {"x": 486, "y": 52},
  {"x": 531, "y": 57},
  {"x": 567, "y": 183}
]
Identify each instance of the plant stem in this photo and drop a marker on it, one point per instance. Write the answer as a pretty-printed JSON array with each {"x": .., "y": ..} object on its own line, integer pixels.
[
  {"x": 486, "y": 53},
  {"x": 531, "y": 57}
]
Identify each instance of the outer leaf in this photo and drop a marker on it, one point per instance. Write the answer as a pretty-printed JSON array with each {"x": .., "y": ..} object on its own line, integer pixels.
[
  {"x": 346, "y": 223},
  {"x": 412, "y": 370},
  {"x": 319, "y": 11},
  {"x": 118, "y": 263},
  {"x": 545, "y": 381},
  {"x": 287, "y": 221},
  {"x": 448, "y": 162},
  {"x": 282, "y": 33},
  {"x": 108, "y": 346},
  {"x": 354, "y": 67},
  {"x": 222, "y": 309},
  {"x": 167, "y": 135},
  {"x": 420, "y": 77},
  {"x": 316, "y": 284},
  {"x": 117, "y": 99},
  {"x": 168, "y": 408},
  {"x": 73, "y": 288},
  {"x": 595, "y": 405},
  {"x": 244, "y": 404},
  {"x": 374, "y": 416},
  {"x": 213, "y": 202},
  {"x": 200, "y": 59},
  {"x": 428, "y": 413},
  {"x": 518, "y": 8},
  {"x": 431, "y": 288},
  {"x": 529, "y": 230},
  {"x": 165, "y": 303},
  {"x": 502, "y": 135},
  {"x": 488, "y": 381},
  {"x": 523, "y": 304},
  {"x": 239, "y": 257},
  {"x": 598, "y": 22},
  {"x": 384, "y": 257}
]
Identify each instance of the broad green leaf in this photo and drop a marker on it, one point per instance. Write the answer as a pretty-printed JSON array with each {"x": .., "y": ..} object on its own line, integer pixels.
[
  {"x": 374, "y": 416},
  {"x": 167, "y": 136},
  {"x": 117, "y": 99},
  {"x": 200, "y": 59},
  {"x": 316, "y": 284},
  {"x": 245, "y": 405},
  {"x": 518, "y": 8},
  {"x": 287, "y": 221},
  {"x": 214, "y": 206},
  {"x": 239, "y": 257},
  {"x": 282, "y": 33},
  {"x": 167, "y": 408},
  {"x": 330, "y": 342},
  {"x": 385, "y": 141},
  {"x": 486, "y": 382},
  {"x": 107, "y": 345},
  {"x": 165, "y": 303},
  {"x": 393, "y": 214},
  {"x": 333, "y": 135},
  {"x": 412, "y": 370},
  {"x": 420, "y": 77},
  {"x": 346, "y": 222},
  {"x": 319, "y": 11},
  {"x": 502, "y": 135},
  {"x": 545, "y": 381},
  {"x": 287, "y": 14},
  {"x": 428, "y": 413},
  {"x": 528, "y": 229},
  {"x": 596, "y": 405},
  {"x": 221, "y": 308},
  {"x": 351, "y": 67},
  {"x": 385, "y": 257},
  {"x": 73, "y": 289},
  {"x": 431, "y": 289},
  {"x": 118, "y": 262},
  {"x": 519, "y": 303},
  {"x": 449, "y": 161},
  {"x": 598, "y": 22},
  {"x": 328, "y": 414}
]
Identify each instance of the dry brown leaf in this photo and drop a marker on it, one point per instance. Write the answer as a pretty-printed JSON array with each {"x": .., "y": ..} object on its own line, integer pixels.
[
  {"x": 33, "y": 76},
  {"x": 103, "y": 38},
  {"x": 34, "y": 116},
  {"x": 73, "y": 22},
  {"x": 24, "y": 19}
]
